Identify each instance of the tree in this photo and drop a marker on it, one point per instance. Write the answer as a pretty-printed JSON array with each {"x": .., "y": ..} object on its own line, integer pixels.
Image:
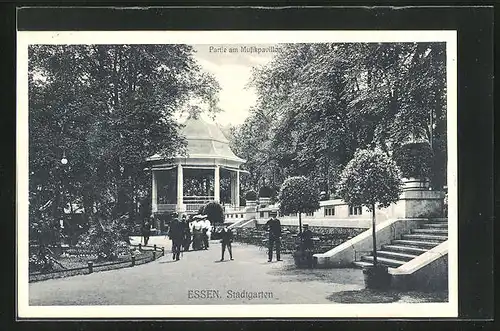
[
  {"x": 298, "y": 195},
  {"x": 373, "y": 180},
  {"x": 106, "y": 108},
  {"x": 318, "y": 103}
]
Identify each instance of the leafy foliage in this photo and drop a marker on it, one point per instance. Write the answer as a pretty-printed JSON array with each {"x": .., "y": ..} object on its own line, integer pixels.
[
  {"x": 106, "y": 108},
  {"x": 107, "y": 238},
  {"x": 214, "y": 212},
  {"x": 318, "y": 103},
  {"x": 370, "y": 179},
  {"x": 265, "y": 192},
  {"x": 414, "y": 159},
  {"x": 298, "y": 195},
  {"x": 251, "y": 195}
]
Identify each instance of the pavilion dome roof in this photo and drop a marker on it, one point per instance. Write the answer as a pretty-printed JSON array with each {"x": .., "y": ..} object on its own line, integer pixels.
[{"x": 206, "y": 140}]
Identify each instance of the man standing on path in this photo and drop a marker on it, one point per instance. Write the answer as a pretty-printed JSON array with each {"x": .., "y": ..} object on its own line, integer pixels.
[
  {"x": 226, "y": 240},
  {"x": 176, "y": 234},
  {"x": 274, "y": 229},
  {"x": 186, "y": 235},
  {"x": 146, "y": 231}
]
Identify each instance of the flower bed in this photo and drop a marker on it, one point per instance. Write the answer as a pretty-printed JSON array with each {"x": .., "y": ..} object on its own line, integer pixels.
[{"x": 75, "y": 261}]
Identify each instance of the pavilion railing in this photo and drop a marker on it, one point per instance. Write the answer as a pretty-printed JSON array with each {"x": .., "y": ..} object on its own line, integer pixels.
[
  {"x": 190, "y": 207},
  {"x": 194, "y": 199},
  {"x": 162, "y": 207},
  {"x": 230, "y": 208}
]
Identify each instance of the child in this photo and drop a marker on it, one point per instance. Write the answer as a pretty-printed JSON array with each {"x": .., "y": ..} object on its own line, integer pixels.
[{"x": 226, "y": 240}]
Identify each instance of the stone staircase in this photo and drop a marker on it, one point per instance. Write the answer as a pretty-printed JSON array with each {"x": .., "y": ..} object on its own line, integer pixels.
[{"x": 411, "y": 245}]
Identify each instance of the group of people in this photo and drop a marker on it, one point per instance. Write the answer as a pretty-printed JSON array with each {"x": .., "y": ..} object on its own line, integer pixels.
[
  {"x": 183, "y": 232},
  {"x": 197, "y": 230}
]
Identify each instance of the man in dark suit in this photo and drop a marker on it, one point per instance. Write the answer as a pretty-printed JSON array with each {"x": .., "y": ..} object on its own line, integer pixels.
[
  {"x": 186, "y": 235},
  {"x": 306, "y": 238},
  {"x": 176, "y": 235},
  {"x": 146, "y": 231},
  {"x": 306, "y": 245},
  {"x": 274, "y": 230},
  {"x": 226, "y": 240}
]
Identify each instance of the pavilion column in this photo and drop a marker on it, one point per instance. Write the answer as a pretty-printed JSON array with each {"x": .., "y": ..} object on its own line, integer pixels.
[
  {"x": 180, "y": 187},
  {"x": 237, "y": 190},
  {"x": 217, "y": 183},
  {"x": 154, "y": 195},
  {"x": 233, "y": 189}
]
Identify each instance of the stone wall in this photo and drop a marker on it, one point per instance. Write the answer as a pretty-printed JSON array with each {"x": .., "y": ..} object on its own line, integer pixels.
[
  {"x": 345, "y": 254},
  {"x": 428, "y": 271},
  {"x": 336, "y": 213}
]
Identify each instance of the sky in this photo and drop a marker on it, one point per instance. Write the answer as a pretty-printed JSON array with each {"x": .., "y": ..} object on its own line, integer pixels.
[{"x": 232, "y": 71}]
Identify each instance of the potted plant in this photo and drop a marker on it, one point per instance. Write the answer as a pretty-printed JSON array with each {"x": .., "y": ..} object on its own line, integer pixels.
[
  {"x": 373, "y": 180},
  {"x": 251, "y": 198},
  {"x": 299, "y": 195},
  {"x": 265, "y": 194},
  {"x": 415, "y": 161}
]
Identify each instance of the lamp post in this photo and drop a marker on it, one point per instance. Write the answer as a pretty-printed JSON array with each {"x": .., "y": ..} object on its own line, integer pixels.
[{"x": 64, "y": 162}]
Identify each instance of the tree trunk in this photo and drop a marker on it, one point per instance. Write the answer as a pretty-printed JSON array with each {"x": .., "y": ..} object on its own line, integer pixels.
[
  {"x": 88, "y": 202},
  {"x": 374, "y": 237},
  {"x": 300, "y": 223}
]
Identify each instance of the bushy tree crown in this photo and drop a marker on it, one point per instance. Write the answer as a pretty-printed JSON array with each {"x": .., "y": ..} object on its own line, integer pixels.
[
  {"x": 251, "y": 195},
  {"x": 298, "y": 194},
  {"x": 370, "y": 179},
  {"x": 214, "y": 212},
  {"x": 265, "y": 192}
]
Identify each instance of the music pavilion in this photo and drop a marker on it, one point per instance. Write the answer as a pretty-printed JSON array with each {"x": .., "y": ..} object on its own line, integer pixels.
[{"x": 190, "y": 181}]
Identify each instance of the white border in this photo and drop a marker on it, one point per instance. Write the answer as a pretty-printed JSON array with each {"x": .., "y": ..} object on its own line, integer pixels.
[{"x": 394, "y": 310}]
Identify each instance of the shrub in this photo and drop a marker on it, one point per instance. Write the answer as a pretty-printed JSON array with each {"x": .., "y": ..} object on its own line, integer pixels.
[
  {"x": 265, "y": 192},
  {"x": 106, "y": 238},
  {"x": 214, "y": 212},
  {"x": 243, "y": 201},
  {"x": 414, "y": 159},
  {"x": 251, "y": 195}
]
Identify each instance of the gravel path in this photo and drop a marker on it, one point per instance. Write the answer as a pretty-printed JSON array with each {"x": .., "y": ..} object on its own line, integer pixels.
[
  {"x": 199, "y": 278},
  {"x": 247, "y": 279}
]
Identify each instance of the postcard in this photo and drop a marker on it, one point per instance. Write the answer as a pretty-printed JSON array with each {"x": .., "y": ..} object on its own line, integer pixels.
[{"x": 220, "y": 174}]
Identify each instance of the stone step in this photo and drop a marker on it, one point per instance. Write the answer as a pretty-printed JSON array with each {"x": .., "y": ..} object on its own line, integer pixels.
[
  {"x": 396, "y": 255},
  {"x": 415, "y": 243},
  {"x": 384, "y": 261},
  {"x": 404, "y": 249},
  {"x": 424, "y": 237},
  {"x": 435, "y": 226},
  {"x": 362, "y": 264},
  {"x": 438, "y": 232},
  {"x": 439, "y": 219}
]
